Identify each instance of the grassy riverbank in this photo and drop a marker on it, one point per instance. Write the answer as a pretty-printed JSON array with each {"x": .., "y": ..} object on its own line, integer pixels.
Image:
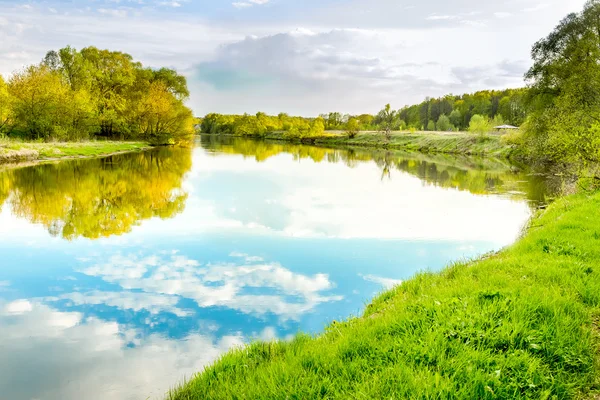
[
  {"x": 13, "y": 151},
  {"x": 519, "y": 324},
  {"x": 425, "y": 142}
]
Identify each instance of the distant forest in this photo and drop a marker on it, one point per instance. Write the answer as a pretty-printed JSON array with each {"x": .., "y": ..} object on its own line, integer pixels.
[{"x": 447, "y": 113}]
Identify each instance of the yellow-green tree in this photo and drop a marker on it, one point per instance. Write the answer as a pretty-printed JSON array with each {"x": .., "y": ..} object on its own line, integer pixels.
[
  {"x": 317, "y": 127},
  {"x": 480, "y": 125},
  {"x": 352, "y": 127},
  {"x": 74, "y": 95},
  {"x": 111, "y": 74},
  {"x": 163, "y": 119},
  {"x": 44, "y": 106},
  {"x": 5, "y": 107}
]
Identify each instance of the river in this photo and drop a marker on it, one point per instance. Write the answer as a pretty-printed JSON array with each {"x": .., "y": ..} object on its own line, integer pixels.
[{"x": 122, "y": 276}]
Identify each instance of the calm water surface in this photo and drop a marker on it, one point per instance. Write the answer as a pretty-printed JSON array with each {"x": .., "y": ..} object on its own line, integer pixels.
[{"x": 121, "y": 276}]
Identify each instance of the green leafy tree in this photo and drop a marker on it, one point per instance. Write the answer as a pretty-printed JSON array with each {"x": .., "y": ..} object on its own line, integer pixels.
[
  {"x": 45, "y": 107},
  {"x": 366, "y": 121},
  {"x": 497, "y": 121},
  {"x": 163, "y": 119},
  {"x": 74, "y": 95},
  {"x": 456, "y": 118},
  {"x": 431, "y": 126},
  {"x": 113, "y": 75},
  {"x": 352, "y": 127},
  {"x": 444, "y": 124},
  {"x": 386, "y": 119},
  {"x": 5, "y": 107},
  {"x": 317, "y": 127},
  {"x": 480, "y": 125},
  {"x": 564, "y": 96}
]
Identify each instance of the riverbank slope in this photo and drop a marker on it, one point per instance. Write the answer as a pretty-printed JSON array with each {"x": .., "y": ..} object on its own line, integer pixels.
[
  {"x": 14, "y": 152},
  {"x": 522, "y": 323}
]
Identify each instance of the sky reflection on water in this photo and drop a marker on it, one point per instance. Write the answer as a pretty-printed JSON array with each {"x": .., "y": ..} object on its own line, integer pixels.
[{"x": 120, "y": 277}]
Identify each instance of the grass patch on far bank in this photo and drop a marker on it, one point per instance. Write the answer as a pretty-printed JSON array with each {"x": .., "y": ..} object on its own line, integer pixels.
[
  {"x": 446, "y": 143},
  {"x": 12, "y": 151},
  {"x": 521, "y": 324}
]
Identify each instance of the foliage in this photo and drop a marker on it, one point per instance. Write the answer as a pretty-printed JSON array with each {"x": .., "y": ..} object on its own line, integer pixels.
[
  {"x": 455, "y": 118},
  {"x": 386, "y": 119},
  {"x": 443, "y": 124},
  {"x": 5, "y": 107},
  {"x": 352, "y": 127},
  {"x": 44, "y": 106},
  {"x": 162, "y": 118},
  {"x": 455, "y": 112},
  {"x": 334, "y": 120},
  {"x": 77, "y": 95},
  {"x": 306, "y": 131},
  {"x": 480, "y": 125},
  {"x": 516, "y": 325},
  {"x": 565, "y": 95},
  {"x": 510, "y": 104}
]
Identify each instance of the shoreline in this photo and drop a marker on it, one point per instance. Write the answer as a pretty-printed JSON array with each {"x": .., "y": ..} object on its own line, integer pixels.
[
  {"x": 22, "y": 154},
  {"x": 451, "y": 143},
  {"x": 520, "y": 323}
]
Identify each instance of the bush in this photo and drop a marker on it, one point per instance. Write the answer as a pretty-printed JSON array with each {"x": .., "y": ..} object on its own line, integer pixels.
[{"x": 480, "y": 125}]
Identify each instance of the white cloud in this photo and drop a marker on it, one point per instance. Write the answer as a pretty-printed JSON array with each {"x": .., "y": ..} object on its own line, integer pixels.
[
  {"x": 535, "y": 8},
  {"x": 340, "y": 68},
  {"x": 18, "y": 307},
  {"x": 441, "y": 17},
  {"x": 114, "y": 12},
  {"x": 502, "y": 14},
  {"x": 53, "y": 355},
  {"x": 125, "y": 300},
  {"x": 308, "y": 199},
  {"x": 241, "y": 4},
  {"x": 385, "y": 283},
  {"x": 222, "y": 285},
  {"x": 246, "y": 257},
  {"x": 249, "y": 3}
]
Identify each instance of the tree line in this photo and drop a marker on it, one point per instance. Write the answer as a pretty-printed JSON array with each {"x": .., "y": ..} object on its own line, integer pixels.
[
  {"x": 558, "y": 111},
  {"x": 262, "y": 124},
  {"x": 478, "y": 112},
  {"x": 77, "y": 95}
]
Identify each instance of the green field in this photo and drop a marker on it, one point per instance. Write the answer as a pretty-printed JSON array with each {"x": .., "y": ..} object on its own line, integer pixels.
[{"x": 519, "y": 324}]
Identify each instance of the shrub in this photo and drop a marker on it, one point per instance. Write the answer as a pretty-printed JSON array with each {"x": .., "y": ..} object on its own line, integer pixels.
[{"x": 480, "y": 125}]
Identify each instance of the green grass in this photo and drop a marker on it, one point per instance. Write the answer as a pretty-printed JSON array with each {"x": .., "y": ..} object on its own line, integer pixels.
[
  {"x": 443, "y": 143},
  {"x": 17, "y": 151},
  {"x": 520, "y": 324}
]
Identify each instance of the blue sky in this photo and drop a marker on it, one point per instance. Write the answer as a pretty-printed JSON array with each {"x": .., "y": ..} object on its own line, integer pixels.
[{"x": 297, "y": 56}]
